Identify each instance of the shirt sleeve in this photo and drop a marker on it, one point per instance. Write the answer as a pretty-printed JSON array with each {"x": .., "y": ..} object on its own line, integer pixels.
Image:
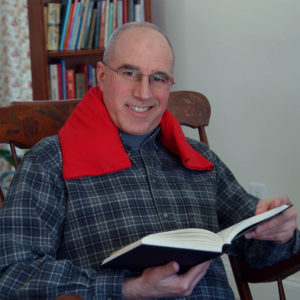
[
  {"x": 31, "y": 227},
  {"x": 234, "y": 204}
]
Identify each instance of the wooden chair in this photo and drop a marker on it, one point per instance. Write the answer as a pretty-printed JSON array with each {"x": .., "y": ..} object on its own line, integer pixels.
[{"x": 23, "y": 124}]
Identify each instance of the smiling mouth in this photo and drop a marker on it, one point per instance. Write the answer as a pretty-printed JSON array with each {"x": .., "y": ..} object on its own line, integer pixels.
[{"x": 139, "y": 109}]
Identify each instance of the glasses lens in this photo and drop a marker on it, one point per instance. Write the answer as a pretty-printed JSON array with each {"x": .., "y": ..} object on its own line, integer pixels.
[
  {"x": 159, "y": 80},
  {"x": 128, "y": 74}
]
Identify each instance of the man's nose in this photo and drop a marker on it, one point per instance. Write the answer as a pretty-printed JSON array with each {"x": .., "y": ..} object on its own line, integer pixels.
[{"x": 142, "y": 90}]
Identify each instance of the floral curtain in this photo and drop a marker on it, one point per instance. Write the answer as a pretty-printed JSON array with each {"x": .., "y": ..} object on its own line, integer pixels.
[{"x": 15, "y": 69}]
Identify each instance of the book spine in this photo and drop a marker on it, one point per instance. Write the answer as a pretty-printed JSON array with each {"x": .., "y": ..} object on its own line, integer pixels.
[
  {"x": 83, "y": 25},
  {"x": 130, "y": 10},
  {"x": 72, "y": 24},
  {"x": 102, "y": 24},
  {"x": 111, "y": 20},
  {"x": 63, "y": 79},
  {"x": 88, "y": 25},
  {"x": 71, "y": 84},
  {"x": 59, "y": 83},
  {"x": 53, "y": 82},
  {"x": 64, "y": 26},
  {"x": 119, "y": 13},
  {"x": 53, "y": 23},
  {"x": 77, "y": 34},
  {"x": 139, "y": 11},
  {"x": 97, "y": 25},
  {"x": 68, "y": 26},
  {"x": 92, "y": 29},
  {"x": 107, "y": 10},
  {"x": 75, "y": 28},
  {"x": 125, "y": 11},
  {"x": 115, "y": 16},
  {"x": 79, "y": 85}
]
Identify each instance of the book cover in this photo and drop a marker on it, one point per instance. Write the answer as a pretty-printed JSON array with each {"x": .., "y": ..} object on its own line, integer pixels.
[
  {"x": 71, "y": 84},
  {"x": 130, "y": 10},
  {"x": 64, "y": 25},
  {"x": 188, "y": 247},
  {"x": 53, "y": 23},
  {"x": 73, "y": 18}
]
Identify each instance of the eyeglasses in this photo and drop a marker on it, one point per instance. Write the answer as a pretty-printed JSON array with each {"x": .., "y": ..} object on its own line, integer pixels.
[{"x": 133, "y": 76}]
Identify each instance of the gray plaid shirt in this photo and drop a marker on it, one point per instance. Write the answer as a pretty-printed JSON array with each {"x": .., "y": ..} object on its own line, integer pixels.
[{"x": 54, "y": 233}]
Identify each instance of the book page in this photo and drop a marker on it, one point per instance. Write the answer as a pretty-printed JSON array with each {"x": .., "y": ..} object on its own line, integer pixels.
[{"x": 191, "y": 238}]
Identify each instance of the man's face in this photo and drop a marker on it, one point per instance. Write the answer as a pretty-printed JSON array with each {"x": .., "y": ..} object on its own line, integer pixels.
[{"x": 136, "y": 107}]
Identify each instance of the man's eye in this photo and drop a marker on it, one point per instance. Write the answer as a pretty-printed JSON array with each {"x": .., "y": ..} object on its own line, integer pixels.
[
  {"x": 129, "y": 73},
  {"x": 160, "y": 78}
]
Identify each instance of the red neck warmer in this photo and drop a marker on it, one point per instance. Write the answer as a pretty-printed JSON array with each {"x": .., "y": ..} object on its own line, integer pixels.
[{"x": 91, "y": 144}]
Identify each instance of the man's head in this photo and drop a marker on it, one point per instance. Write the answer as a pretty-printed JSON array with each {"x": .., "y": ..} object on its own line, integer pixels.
[{"x": 136, "y": 102}]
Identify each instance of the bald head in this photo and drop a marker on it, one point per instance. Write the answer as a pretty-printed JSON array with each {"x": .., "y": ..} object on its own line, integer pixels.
[{"x": 131, "y": 29}]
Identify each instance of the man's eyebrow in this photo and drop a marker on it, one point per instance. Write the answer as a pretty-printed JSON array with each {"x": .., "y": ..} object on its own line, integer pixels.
[
  {"x": 132, "y": 67},
  {"x": 128, "y": 66}
]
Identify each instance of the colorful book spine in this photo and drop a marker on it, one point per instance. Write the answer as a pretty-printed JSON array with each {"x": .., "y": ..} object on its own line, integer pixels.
[
  {"x": 119, "y": 13},
  {"x": 80, "y": 20},
  {"x": 75, "y": 28},
  {"x": 82, "y": 30},
  {"x": 107, "y": 10},
  {"x": 53, "y": 82},
  {"x": 64, "y": 25},
  {"x": 111, "y": 21},
  {"x": 73, "y": 18},
  {"x": 92, "y": 30}
]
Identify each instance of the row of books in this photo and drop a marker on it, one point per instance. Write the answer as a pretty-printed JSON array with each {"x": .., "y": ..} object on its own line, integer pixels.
[
  {"x": 70, "y": 83},
  {"x": 87, "y": 24}
]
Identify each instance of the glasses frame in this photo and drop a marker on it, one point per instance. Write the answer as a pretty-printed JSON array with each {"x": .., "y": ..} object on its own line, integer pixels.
[{"x": 141, "y": 75}]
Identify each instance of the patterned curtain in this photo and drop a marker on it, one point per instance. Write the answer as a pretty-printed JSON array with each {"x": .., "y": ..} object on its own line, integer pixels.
[{"x": 15, "y": 70}]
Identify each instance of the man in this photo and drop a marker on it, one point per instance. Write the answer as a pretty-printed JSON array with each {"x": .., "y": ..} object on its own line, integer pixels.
[{"x": 113, "y": 176}]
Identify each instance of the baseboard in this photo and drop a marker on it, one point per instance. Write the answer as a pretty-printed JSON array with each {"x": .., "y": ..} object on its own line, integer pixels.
[{"x": 266, "y": 290}]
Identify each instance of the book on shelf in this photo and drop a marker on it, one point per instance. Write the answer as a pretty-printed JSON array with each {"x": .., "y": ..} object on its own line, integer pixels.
[
  {"x": 72, "y": 23},
  {"x": 68, "y": 26},
  {"x": 71, "y": 94},
  {"x": 53, "y": 23},
  {"x": 97, "y": 25},
  {"x": 106, "y": 25},
  {"x": 91, "y": 36},
  {"x": 74, "y": 44},
  {"x": 63, "y": 79},
  {"x": 83, "y": 25},
  {"x": 65, "y": 19},
  {"x": 102, "y": 24},
  {"x": 139, "y": 11},
  {"x": 125, "y": 11},
  {"x": 55, "y": 81},
  {"x": 188, "y": 247},
  {"x": 88, "y": 23},
  {"x": 79, "y": 85},
  {"x": 119, "y": 13}
]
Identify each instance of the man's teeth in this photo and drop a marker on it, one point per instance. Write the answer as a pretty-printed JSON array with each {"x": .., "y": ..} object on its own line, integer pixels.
[{"x": 139, "y": 109}]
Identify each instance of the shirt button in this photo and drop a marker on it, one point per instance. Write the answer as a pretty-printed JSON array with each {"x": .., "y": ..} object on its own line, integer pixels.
[
  {"x": 153, "y": 180},
  {"x": 165, "y": 215}
]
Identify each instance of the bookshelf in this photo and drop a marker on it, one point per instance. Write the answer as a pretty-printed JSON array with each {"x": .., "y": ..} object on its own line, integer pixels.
[{"x": 41, "y": 57}]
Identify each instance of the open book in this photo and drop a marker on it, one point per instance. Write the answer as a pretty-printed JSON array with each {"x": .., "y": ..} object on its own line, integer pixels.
[{"x": 188, "y": 247}]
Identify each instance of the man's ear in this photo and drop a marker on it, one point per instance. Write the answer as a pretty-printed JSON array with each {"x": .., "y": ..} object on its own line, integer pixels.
[{"x": 100, "y": 74}]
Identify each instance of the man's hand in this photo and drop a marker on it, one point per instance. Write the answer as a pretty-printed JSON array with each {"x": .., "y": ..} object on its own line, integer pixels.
[
  {"x": 164, "y": 281},
  {"x": 279, "y": 229}
]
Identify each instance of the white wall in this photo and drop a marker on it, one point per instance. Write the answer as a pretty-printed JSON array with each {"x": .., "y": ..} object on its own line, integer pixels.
[{"x": 245, "y": 57}]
